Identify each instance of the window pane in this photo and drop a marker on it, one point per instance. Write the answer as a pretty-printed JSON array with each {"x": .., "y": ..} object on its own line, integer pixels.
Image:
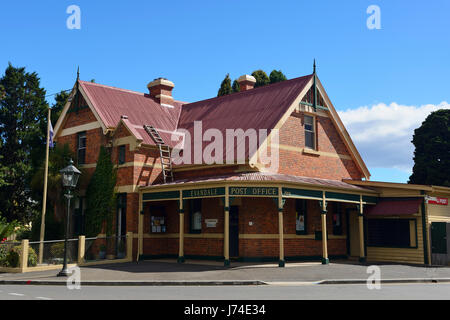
[
  {"x": 121, "y": 154},
  {"x": 389, "y": 232},
  {"x": 309, "y": 140}
]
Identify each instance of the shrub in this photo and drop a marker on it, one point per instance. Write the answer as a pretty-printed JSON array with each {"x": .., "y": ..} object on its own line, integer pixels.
[
  {"x": 57, "y": 249},
  {"x": 12, "y": 258}
]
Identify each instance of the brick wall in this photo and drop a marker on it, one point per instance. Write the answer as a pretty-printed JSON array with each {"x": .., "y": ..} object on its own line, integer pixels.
[
  {"x": 264, "y": 215},
  {"x": 336, "y": 167}
]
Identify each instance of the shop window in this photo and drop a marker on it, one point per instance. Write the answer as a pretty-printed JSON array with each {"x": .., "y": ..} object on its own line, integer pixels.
[
  {"x": 300, "y": 216},
  {"x": 337, "y": 219},
  {"x": 391, "y": 233},
  {"x": 196, "y": 216},
  {"x": 121, "y": 154},
  {"x": 310, "y": 136},
  {"x": 81, "y": 147}
]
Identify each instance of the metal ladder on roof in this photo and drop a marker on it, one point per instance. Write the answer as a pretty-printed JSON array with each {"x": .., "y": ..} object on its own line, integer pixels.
[{"x": 164, "y": 153}]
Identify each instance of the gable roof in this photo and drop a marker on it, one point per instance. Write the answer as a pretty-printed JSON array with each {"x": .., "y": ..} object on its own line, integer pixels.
[
  {"x": 265, "y": 107},
  {"x": 258, "y": 108}
]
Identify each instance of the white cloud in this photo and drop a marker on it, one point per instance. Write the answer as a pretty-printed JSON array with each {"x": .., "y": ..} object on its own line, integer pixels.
[{"x": 383, "y": 133}]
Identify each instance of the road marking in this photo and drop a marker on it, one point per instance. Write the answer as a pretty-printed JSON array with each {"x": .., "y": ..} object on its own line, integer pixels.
[
  {"x": 44, "y": 298},
  {"x": 16, "y": 294}
]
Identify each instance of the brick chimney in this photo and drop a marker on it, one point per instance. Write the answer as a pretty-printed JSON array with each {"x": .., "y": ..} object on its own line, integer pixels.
[
  {"x": 246, "y": 82},
  {"x": 161, "y": 91}
]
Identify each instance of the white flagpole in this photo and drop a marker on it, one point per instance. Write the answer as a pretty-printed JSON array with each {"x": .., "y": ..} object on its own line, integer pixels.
[{"x": 44, "y": 200}]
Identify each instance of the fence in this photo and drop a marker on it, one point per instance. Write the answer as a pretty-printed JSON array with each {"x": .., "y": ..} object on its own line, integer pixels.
[{"x": 28, "y": 256}]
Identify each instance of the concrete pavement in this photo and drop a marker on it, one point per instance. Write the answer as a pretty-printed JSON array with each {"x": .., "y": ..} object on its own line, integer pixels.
[{"x": 168, "y": 272}]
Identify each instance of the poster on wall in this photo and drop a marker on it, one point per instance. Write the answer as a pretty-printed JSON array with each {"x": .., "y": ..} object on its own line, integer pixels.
[
  {"x": 158, "y": 224},
  {"x": 300, "y": 222}
]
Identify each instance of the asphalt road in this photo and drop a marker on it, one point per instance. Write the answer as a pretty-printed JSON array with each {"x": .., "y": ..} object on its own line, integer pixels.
[{"x": 266, "y": 292}]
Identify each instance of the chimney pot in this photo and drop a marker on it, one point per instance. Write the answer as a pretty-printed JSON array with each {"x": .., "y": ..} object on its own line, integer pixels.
[
  {"x": 161, "y": 91},
  {"x": 246, "y": 82}
]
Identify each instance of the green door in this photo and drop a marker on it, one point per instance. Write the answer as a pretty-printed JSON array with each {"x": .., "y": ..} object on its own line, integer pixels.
[{"x": 439, "y": 237}]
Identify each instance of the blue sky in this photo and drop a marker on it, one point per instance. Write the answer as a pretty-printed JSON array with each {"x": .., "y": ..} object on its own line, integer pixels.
[{"x": 195, "y": 43}]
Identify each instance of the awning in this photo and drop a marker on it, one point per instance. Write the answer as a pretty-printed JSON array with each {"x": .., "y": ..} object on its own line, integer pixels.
[{"x": 395, "y": 207}]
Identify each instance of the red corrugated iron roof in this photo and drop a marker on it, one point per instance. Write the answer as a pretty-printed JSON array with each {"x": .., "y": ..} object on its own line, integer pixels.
[
  {"x": 111, "y": 103},
  {"x": 259, "y": 108},
  {"x": 395, "y": 207}
]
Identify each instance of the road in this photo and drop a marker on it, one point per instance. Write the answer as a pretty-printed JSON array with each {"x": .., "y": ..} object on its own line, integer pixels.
[{"x": 265, "y": 292}]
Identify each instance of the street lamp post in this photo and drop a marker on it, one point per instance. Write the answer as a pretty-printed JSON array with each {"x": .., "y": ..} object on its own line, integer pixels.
[{"x": 70, "y": 175}]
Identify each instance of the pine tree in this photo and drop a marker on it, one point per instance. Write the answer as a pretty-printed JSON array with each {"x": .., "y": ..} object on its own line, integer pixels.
[
  {"x": 277, "y": 76},
  {"x": 225, "y": 86},
  {"x": 236, "y": 87},
  {"x": 432, "y": 153},
  {"x": 261, "y": 78},
  {"x": 101, "y": 200},
  {"x": 23, "y": 113}
]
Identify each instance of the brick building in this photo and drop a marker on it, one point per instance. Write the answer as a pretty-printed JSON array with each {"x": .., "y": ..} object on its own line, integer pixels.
[{"x": 316, "y": 203}]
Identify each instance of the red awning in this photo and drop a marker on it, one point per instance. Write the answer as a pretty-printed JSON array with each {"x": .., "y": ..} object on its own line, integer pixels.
[{"x": 395, "y": 207}]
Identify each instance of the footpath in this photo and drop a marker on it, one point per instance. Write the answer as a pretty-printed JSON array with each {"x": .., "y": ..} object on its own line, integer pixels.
[{"x": 209, "y": 273}]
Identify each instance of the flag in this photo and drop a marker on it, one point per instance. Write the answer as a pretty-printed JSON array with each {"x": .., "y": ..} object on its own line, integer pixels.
[{"x": 50, "y": 140}]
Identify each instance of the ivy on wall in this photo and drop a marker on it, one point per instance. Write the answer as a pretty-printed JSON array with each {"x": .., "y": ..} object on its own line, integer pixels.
[{"x": 101, "y": 197}]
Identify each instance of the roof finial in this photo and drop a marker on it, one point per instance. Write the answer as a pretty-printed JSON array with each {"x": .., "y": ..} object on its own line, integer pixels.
[
  {"x": 314, "y": 67},
  {"x": 78, "y": 73}
]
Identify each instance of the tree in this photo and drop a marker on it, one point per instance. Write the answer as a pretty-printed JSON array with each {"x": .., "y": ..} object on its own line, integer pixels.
[
  {"x": 60, "y": 101},
  {"x": 277, "y": 76},
  {"x": 225, "y": 86},
  {"x": 54, "y": 219},
  {"x": 432, "y": 153},
  {"x": 101, "y": 200},
  {"x": 23, "y": 113},
  {"x": 261, "y": 78},
  {"x": 236, "y": 87}
]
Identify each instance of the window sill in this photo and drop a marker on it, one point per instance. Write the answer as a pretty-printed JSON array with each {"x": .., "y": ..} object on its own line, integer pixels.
[{"x": 311, "y": 152}]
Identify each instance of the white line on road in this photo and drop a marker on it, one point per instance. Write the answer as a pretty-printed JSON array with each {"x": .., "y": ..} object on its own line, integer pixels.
[
  {"x": 44, "y": 298},
  {"x": 16, "y": 294}
]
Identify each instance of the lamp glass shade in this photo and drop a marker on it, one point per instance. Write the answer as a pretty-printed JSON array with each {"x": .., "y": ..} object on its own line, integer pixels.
[{"x": 70, "y": 175}]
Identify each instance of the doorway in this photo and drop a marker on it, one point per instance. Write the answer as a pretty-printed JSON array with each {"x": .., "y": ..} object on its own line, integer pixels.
[
  {"x": 353, "y": 233},
  {"x": 234, "y": 231}
]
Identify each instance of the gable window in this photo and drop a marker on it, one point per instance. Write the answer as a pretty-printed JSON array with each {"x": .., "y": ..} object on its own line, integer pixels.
[
  {"x": 300, "y": 216},
  {"x": 196, "y": 216},
  {"x": 121, "y": 155},
  {"x": 310, "y": 135},
  {"x": 81, "y": 147}
]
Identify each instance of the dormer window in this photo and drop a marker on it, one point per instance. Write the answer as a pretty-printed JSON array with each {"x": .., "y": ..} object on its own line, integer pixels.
[{"x": 310, "y": 134}]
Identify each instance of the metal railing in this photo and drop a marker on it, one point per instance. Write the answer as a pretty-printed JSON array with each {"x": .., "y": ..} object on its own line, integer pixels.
[
  {"x": 53, "y": 252},
  {"x": 103, "y": 247}
]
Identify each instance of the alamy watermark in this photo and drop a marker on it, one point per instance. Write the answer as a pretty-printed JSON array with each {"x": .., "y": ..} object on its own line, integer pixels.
[
  {"x": 74, "y": 280},
  {"x": 374, "y": 279},
  {"x": 374, "y": 20},
  {"x": 229, "y": 146},
  {"x": 74, "y": 20}
]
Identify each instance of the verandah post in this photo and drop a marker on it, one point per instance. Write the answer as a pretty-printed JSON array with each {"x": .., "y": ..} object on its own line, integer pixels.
[
  {"x": 181, "y": 241},
  {"x": 325, "y": 259},
  {"x": 362, "y": 256},
  {"x": 281, "y": 262},
  {"x": 226, "y": 231}
]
